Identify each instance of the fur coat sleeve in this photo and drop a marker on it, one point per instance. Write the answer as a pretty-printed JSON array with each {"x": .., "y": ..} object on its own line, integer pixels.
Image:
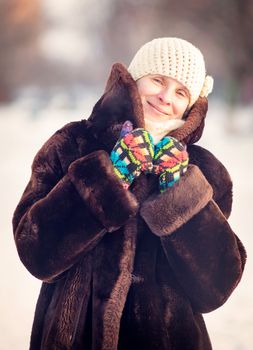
[
  {"x": 191, "y": 220},
  {"x": 62, "y": 212}
]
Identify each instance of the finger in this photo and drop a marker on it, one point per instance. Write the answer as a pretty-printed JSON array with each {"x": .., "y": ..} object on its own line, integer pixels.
[{"x": 126, "y": 128}]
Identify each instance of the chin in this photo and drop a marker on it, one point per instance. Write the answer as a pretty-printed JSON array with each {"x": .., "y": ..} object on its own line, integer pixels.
[{"x": 156, "y": 118}]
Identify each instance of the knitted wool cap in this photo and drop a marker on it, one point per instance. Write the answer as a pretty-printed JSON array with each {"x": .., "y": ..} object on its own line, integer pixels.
[{"x": 175, "y": 58}]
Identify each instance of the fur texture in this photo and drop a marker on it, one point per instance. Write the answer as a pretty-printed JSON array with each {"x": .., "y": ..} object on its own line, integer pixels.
[
  {"x": 175, "y": 207},
  {"x": 125, "y": 269}
]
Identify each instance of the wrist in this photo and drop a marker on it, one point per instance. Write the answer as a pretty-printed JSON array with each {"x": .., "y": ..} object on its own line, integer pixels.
[{"x": 167, "y": 179}]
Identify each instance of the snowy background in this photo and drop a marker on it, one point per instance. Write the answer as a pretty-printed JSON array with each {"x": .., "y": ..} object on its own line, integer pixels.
[{"x": 22, "y": 134}]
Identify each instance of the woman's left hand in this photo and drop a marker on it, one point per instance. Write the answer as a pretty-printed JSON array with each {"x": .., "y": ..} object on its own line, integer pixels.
[{"x": 170, "y": 161}]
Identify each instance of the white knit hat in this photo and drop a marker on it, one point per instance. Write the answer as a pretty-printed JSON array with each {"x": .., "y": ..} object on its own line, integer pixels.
[{"x": 175, "y": 58}]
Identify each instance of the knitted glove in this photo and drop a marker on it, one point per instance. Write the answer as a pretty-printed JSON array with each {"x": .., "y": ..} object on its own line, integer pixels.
[
  {"x": 132, "y": 154},
  {"x": 170, "y": 161}
]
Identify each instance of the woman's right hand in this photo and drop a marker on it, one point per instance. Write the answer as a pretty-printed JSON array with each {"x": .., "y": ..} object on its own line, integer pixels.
[{"x": 133, "y": 154}]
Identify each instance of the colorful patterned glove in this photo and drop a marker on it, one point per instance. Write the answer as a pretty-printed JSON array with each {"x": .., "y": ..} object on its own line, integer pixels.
[
  {"x": 170, "y": 161},
  {"x": 133, "y": 154}
]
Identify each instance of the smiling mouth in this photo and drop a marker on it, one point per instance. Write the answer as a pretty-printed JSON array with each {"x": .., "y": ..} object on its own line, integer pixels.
[{"x": 157, "y": 109}]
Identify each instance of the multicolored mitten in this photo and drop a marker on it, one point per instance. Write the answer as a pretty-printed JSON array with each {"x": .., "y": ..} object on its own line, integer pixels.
[
  {"x": 133, "y": 154},
  {"x": 170, "y": 161}
]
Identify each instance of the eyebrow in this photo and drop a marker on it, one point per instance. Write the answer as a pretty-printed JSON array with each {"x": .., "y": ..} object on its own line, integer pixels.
[
  {"x": 162, "y": 77},
  {"x": 159, "y": 76}
]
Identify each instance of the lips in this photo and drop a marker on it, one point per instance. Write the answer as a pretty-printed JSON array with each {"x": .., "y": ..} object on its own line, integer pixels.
[{"x": 157, "y": 108}]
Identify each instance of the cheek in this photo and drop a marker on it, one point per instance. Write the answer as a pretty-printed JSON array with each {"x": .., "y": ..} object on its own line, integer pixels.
[
  {"x": 146, "y": 89},
  {"x": 181, "y": 107},
  {"x": 141, "y": 87}
]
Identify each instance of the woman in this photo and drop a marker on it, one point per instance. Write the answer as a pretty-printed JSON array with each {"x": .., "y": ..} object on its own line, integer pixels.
[{"x": 125, "y": 227}]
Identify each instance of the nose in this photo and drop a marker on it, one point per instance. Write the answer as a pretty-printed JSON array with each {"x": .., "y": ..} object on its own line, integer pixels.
[{"x": 165, "y": 96}]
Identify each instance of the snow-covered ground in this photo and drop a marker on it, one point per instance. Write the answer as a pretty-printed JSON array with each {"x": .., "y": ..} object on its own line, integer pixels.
[{"x": 230, "y": 327}]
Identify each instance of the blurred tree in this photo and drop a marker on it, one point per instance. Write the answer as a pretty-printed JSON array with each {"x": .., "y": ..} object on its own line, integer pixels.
[{"x": 19, "y": 27}]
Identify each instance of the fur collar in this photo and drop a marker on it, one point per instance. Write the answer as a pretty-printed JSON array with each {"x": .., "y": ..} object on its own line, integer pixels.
[{"x": 121, "y": 101}]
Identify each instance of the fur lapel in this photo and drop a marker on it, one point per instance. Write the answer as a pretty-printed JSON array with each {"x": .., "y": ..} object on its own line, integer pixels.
[
  {"x": 120, "y": 102},
  {"x": 194, "y": 124},
  {"x": 111, "y": 288}
]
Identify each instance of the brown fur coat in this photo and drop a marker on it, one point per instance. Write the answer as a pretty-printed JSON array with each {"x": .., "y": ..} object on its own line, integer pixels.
[{"x": 125, "y": 269}]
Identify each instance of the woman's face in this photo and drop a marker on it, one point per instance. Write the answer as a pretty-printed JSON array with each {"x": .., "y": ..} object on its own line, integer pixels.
[{"x": 162, "y": 98}]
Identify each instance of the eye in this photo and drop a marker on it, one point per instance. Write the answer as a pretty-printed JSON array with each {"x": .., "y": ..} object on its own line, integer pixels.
[
  {"x": 182, "y": 92},
  {"x": 157, "y": 80}
]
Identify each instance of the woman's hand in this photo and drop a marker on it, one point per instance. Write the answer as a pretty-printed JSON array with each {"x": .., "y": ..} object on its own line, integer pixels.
[
  {"x": 170, "y": 161},
  {"x": 132, "y": 154}
]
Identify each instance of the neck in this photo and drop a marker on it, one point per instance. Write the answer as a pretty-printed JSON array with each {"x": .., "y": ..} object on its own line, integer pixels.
[{"x": 159, "y": 130}]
